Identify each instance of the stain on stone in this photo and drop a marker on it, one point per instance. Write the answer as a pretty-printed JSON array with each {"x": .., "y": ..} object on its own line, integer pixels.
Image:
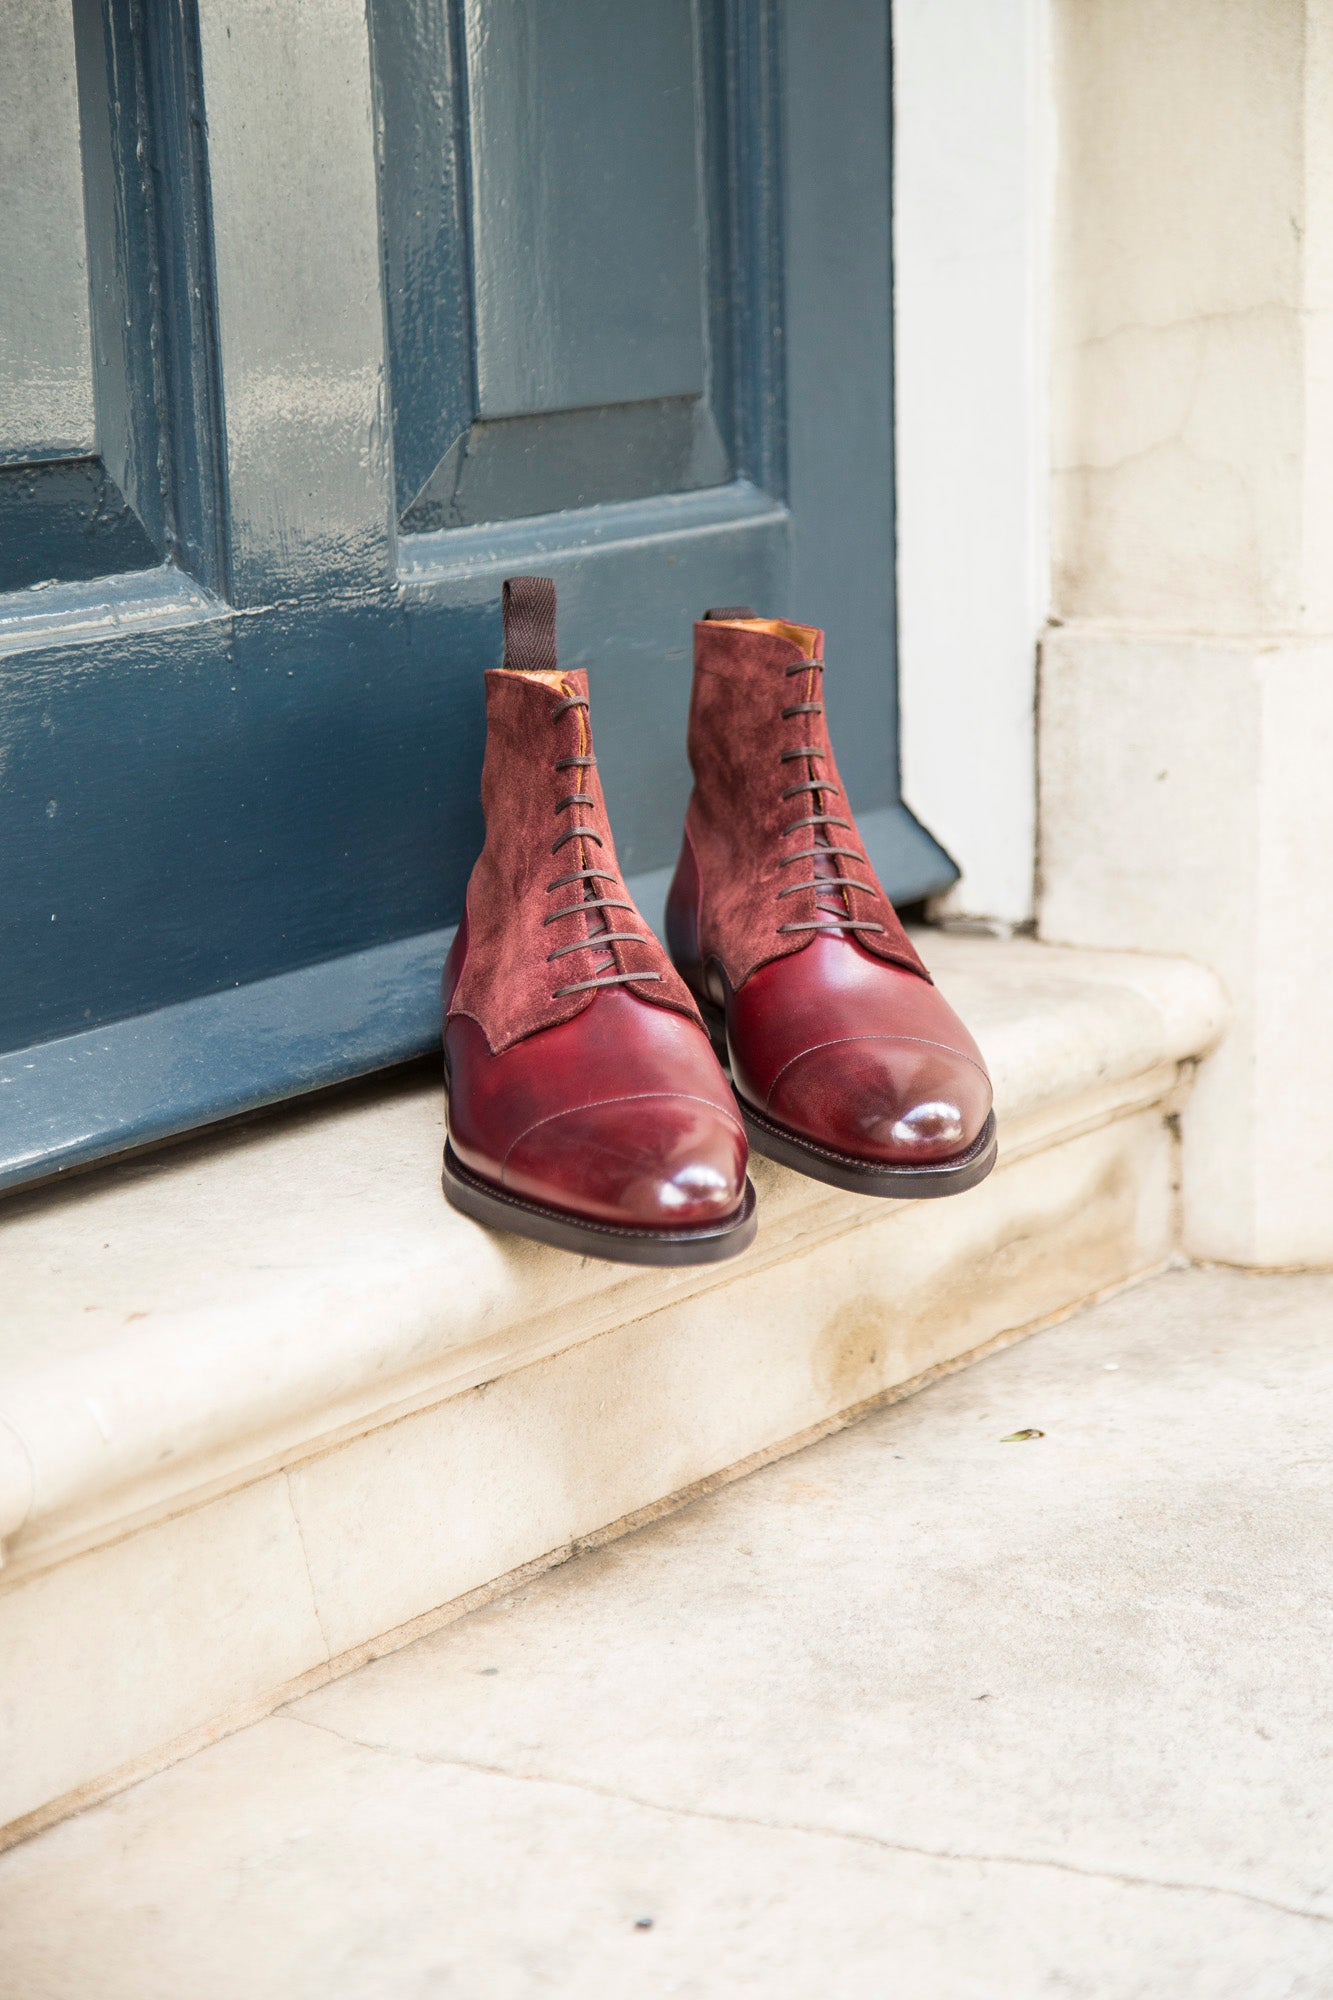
[{"x": 848, "y": 1358}]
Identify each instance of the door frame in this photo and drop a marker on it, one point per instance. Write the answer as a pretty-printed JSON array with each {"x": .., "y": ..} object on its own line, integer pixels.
[{"x": 974, "y": 189}]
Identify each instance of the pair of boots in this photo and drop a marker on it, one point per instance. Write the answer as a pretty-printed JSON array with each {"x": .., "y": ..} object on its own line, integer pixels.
[{"x": 586, "y": 1105}]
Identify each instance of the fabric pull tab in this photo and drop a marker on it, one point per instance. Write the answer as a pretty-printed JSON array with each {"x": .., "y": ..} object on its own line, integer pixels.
[
  {"x": 725, "y": 611},
  {"x": 528, "y": 607}
]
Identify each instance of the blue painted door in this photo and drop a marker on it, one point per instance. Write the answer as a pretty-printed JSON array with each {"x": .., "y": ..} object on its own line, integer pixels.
[{"x": 313, "y": 326}]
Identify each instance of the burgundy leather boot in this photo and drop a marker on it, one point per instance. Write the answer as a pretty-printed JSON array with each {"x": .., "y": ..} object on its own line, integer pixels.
[
  {"x": 586, "y": 1106},
  {"x": 847, "y": 1062}
]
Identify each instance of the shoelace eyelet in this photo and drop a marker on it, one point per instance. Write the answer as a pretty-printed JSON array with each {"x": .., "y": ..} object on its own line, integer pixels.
[
  {"x": 599, "y": 939},
  {"x": 825, "y": 920}
]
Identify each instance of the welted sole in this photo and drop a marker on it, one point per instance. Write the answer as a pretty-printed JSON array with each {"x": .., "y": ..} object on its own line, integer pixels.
[
  {"x": 844, "y": 1170},
  {"x": 707, "y": 1243}
]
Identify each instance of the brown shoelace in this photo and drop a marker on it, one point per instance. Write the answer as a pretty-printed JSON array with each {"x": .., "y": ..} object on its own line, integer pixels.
[
  {"x": 843, "y": 916},
  {"x": 603, "y": 975}
]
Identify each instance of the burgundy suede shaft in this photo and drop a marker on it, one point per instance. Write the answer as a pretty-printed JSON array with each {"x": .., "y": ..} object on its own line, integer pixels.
[
  {"x": 738, "y": 820},
  {"x": 509, "y": 985}
]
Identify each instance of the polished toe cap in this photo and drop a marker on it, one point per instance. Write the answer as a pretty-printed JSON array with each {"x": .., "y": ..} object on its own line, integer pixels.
[
  {"x": 653, "y": 1161},
  {"x": 884, "y": 1098}
]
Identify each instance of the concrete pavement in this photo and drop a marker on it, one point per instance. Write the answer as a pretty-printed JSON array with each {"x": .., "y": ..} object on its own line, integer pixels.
[{"x": 932, "y": 1710}]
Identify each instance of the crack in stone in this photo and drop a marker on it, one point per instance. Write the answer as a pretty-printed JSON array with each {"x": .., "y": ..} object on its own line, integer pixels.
[
  {"x": 13, "y": 1528},
  {"x": 1193, "y": 322},
  {"x": 305, "y": 1559},
  {"x": 847, "y": 1836}
]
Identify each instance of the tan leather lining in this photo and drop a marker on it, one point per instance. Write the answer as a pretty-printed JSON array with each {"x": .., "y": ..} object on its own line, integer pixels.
[
  {"x": 554, "y": 680},
  {"x": 803, "y": 636}
]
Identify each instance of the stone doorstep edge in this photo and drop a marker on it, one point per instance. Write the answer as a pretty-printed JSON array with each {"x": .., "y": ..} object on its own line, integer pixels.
[
  {"x": 125, "y": 1509},
  {"x": 1190, "y": 1013}
]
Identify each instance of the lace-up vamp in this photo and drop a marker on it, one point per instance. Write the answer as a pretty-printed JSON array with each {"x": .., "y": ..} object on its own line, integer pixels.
[{"x": 605, "y": 971}]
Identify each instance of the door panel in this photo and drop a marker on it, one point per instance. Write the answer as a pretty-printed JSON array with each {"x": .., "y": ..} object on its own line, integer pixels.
[
  {"x": 46, "y": 373},
  {"x": 586, "y": 204},
  {"x": 299, "y": 306},
  {"x": 557, "y": 182},
  {"x": 373, "y": 343},
  {"x": 106, "y": 292}
]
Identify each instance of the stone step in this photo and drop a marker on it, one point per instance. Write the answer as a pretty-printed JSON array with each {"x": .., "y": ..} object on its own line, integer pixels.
[{"x": 268, "y": 1407}]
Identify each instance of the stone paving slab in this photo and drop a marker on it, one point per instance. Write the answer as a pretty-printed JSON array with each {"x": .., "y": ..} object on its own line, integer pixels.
[{"x": 920, "y": 1712}]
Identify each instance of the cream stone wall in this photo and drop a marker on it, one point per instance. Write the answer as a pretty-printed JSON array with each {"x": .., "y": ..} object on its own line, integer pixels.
[{"x": 1187, "y": 683}]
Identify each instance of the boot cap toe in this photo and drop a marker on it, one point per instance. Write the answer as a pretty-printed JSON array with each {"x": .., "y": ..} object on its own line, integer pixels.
[
  {"x": 659, "y": 1160},
  {"x": 888, "y": 1099}
]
